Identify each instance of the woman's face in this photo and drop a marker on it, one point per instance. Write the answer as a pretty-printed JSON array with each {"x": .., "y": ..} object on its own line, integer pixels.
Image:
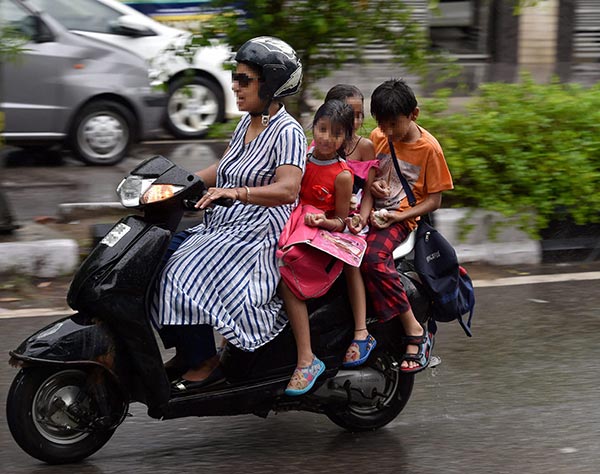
[{"x": 245, "y": 85}]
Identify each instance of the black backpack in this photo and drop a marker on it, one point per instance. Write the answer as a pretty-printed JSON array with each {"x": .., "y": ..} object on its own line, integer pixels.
[{"x": 447, "y": 283}]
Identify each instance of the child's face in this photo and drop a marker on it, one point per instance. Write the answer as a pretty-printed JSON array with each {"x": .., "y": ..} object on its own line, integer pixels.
[
  {"x": 397, "y": 128},
  {"x": 329, "y": 137},
  {"x": 359, "y": 113}
]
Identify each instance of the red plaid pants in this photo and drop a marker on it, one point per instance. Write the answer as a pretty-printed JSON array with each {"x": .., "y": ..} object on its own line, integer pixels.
[{"x": 382, "y": 280}]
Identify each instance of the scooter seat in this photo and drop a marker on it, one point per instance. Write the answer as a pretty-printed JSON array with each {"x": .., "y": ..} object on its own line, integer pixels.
[{"x": 406, "y": 246}]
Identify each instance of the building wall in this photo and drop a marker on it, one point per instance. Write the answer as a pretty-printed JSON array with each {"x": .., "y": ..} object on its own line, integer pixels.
[{"x": 538, "y": 36}]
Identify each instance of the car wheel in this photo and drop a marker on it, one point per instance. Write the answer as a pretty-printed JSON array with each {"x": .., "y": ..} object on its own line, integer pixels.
[
  {"x": 194, "y": 105},
  {"x": 102, "y": 133}
]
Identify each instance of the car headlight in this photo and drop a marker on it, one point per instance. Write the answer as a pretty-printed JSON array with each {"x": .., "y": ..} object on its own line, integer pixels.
[{"x": 134, "y": 191}]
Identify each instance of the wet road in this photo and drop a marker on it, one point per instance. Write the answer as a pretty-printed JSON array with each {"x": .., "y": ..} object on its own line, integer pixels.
[
  {"x": 521, "y": 396},
  {"x": 36, "y": 184}
]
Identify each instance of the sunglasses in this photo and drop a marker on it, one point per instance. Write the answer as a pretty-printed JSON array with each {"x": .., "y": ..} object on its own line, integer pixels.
[{"x": 243, "y": 79}]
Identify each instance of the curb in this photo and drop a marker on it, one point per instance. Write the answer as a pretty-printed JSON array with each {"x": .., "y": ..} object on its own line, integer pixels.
[
  {"x": 510, "y": 245},
  {"x": 36, "y": 250}
]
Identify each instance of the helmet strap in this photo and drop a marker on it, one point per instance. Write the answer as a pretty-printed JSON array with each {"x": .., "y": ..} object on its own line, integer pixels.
[
  {"x": 264, "y": 115},
  {"x": 265, "y": 119}
]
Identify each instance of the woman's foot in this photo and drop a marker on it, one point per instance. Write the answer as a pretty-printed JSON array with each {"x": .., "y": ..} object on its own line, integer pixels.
[
  {"x": 203, "y": 371},
  {"x": 418, "y": 352},
  {"x": 207, "y": 373},
  {"x": 304, "y": 378},
  {"x": 175, "y": 366},
  {"x": 359, "y": 350}
]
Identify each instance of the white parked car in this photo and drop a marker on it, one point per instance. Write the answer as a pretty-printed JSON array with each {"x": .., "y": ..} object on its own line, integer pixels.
[{"x": 199, "y": 90}]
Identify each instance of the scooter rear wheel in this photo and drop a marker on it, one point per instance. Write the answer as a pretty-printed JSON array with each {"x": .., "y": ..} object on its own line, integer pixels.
[
  {"x": 53, "y": 416},
  {"x": 360, "y": 417}
]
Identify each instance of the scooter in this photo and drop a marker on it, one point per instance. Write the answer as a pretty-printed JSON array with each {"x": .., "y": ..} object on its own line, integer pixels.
[{"x": 78, "y": 375}]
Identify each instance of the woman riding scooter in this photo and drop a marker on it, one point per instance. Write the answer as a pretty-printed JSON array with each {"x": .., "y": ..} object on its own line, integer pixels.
[
  {"x": 78, "y": 375},
  {"x": 223, "y": 273}
]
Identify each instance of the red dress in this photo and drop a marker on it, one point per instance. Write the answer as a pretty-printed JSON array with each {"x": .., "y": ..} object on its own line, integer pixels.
[{"x": 318, "y": 182}]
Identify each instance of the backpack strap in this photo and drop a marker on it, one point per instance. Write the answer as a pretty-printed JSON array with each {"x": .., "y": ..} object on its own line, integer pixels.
[
  {"x": 409, "y": 194},
  {"x": 467, "y": 326}
]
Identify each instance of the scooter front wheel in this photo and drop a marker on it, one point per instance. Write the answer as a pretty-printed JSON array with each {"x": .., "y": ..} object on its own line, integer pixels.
[
  {"x": 387, "y": 405},
  {"x": 55, "y": 417}
]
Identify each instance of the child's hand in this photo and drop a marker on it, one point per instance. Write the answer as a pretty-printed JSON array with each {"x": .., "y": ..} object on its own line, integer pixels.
[
  {"x": 314, "y": 220},
  {"x": 380, "y": 189},
  {"x": 354, "y": 223},
  {"x": 380, "y": 219}
]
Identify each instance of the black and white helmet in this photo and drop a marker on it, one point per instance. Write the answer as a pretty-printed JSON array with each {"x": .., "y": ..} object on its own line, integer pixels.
[{"x": 280, "y": 65}]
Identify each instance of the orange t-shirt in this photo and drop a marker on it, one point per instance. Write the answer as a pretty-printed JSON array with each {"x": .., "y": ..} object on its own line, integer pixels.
[{"x": 422, "y": 163}]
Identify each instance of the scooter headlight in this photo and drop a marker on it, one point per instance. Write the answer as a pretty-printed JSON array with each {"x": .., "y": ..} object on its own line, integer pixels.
[
  {"x": 160, "y": 192},
  {"x": 134, "y": 191},
  {"x": 131, "y": 190}
]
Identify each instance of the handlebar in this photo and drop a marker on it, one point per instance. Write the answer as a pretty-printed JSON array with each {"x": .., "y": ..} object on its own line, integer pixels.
[{"x": 190, "y": 203}]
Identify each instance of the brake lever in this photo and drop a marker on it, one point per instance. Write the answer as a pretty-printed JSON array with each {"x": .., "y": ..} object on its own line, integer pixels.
[
  {"x": 190, "y": 203},
  {"x": 225, "y": 202}
]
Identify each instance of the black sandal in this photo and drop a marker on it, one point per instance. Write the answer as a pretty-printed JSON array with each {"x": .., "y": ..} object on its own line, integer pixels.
[{"x": 423, "y": 355}]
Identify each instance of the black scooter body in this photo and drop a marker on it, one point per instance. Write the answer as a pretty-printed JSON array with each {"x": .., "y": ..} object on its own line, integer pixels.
[{"x": 112, "y": 289}]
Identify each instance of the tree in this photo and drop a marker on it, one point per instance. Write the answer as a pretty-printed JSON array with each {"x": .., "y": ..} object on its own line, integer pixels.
[{"x": 326, "y": 34}]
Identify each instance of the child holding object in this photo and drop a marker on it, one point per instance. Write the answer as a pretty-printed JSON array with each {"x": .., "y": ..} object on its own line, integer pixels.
[
  {"x": 326, "y": 186},
  {"x": 422, "y": 163},
  {"x": 360, "y": 157}
]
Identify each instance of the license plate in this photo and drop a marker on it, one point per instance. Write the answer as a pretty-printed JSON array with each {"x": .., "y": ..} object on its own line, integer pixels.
[{"x": 115, "y": 234}]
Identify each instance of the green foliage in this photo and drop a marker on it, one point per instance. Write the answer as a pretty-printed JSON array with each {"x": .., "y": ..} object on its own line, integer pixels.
[
  {"x": 328, "y": 34},
  {"x": 12, "y": 43},
  {"x": 525, "y": 150}
]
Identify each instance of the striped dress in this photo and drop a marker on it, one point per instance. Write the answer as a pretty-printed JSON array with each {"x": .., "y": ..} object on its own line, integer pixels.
[{"x": 225, "y": 273}]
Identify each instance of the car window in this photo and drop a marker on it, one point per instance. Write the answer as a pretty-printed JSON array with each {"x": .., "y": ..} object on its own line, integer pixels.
[
  {"x": 16, "y": 20},
  {"x": 83, "y": 15}
]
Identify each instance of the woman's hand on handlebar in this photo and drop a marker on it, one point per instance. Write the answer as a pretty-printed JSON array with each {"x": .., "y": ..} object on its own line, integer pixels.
[{"x": 214, "y": 194}]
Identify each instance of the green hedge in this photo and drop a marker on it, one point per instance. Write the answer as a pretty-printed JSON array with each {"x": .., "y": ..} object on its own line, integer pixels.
[{"x": 525, "y": 150}]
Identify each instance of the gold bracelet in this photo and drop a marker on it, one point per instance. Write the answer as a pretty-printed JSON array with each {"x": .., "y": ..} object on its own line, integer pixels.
[
  {"x": 342, "y": 222},
  {"x": 247, "y": 194}
]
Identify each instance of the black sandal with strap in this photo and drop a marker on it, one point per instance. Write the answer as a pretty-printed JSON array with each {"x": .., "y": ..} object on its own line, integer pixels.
[{"x": 423, "y": 355}]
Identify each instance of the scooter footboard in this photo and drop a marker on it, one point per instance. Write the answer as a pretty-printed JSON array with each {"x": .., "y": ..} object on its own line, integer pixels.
[{"x": 76, "y": 339}]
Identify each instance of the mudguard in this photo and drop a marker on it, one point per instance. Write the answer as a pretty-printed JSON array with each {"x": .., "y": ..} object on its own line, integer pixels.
[{"x": 75, "y": 339}]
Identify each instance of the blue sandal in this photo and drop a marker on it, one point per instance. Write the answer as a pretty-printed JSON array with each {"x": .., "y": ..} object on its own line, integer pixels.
[
  {"x": 304, "y": 378},
  {"x": 423, "y": 355},
  {"x": 359, "y": 351}
]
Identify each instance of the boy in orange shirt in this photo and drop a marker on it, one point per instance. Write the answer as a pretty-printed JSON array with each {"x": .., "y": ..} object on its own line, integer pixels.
[{"x": 422, "y": 162}]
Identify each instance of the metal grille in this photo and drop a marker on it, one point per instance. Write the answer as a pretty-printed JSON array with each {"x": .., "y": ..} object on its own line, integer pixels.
[
  {"x": 379, "y": 52},
  {"x": 586, "y": 41}
]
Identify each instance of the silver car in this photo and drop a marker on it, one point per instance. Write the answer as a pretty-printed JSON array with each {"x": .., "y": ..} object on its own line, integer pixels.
[{"x": 63, "y": 88}]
